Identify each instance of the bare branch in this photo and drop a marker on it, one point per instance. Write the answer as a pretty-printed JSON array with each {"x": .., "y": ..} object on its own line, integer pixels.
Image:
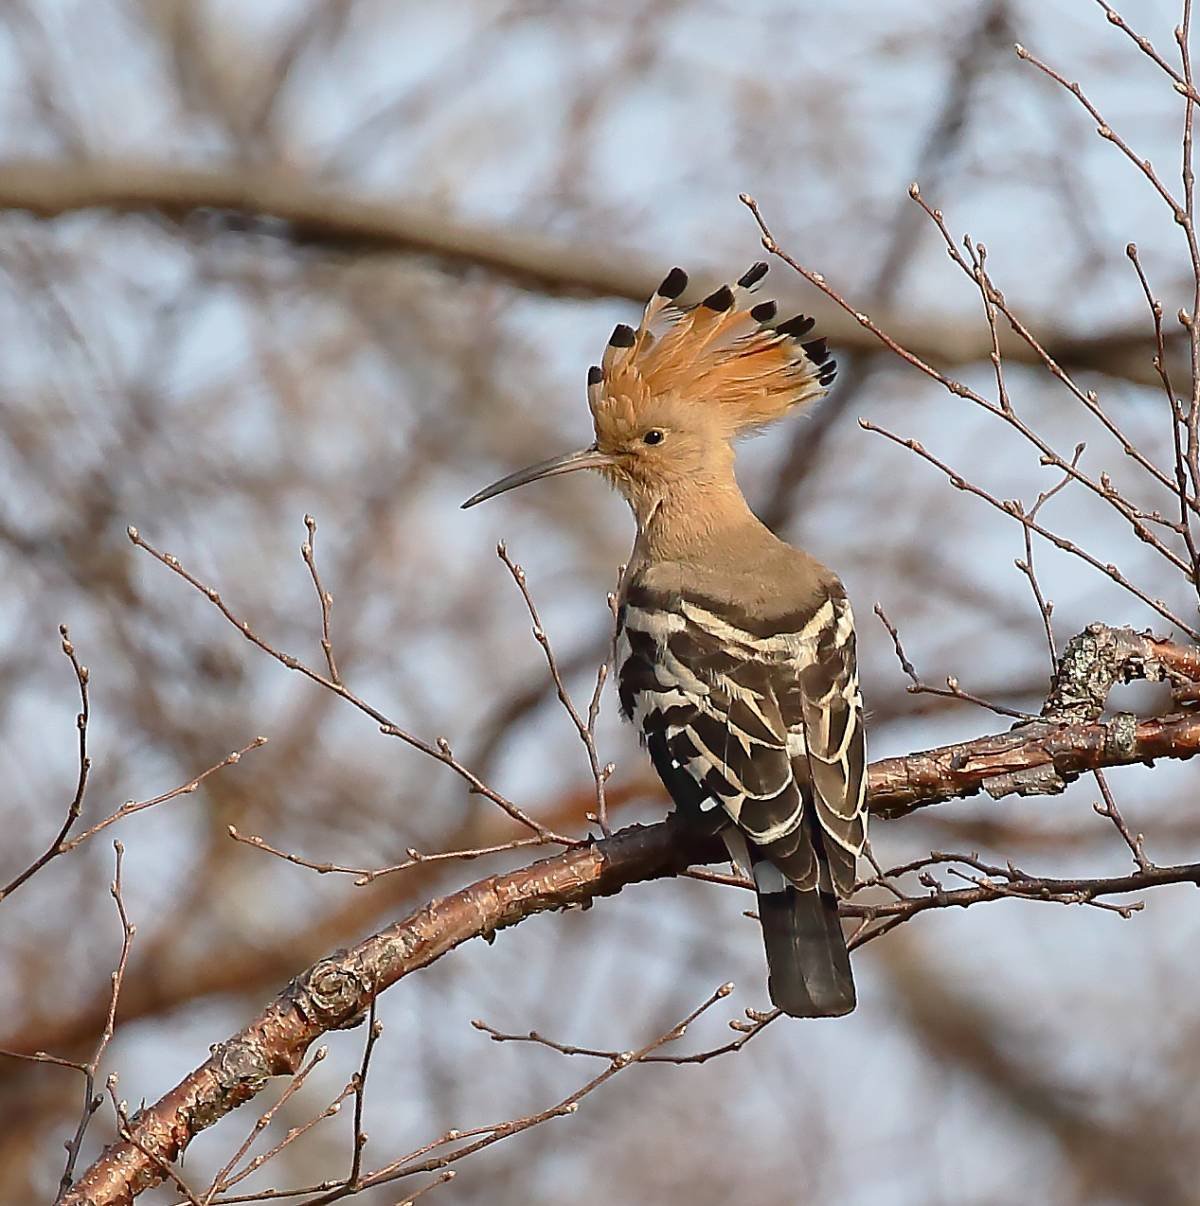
[
  {"x": 184, "y": 789},
  {"x": 367, "y": 875},
  {"x": 1110, "y": 810},
  {"x": 952, "y": 690},
  {"x": 1002, "y": 409},
  {"x": 409, "y": 1165},
  {"x": 85, "y": 764},
  {"x": 323, "y": 596},
  {"x": 440, "y": 751},
  {"x": 91, "y": 1099},
  {"x": 1012, "y": 508},
  {"x": 1147, "y": 48},
  {"x": 585, "y": 728}
]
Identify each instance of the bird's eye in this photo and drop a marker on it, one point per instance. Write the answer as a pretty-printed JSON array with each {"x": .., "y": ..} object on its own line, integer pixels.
[{"x": 653, "y": 436}]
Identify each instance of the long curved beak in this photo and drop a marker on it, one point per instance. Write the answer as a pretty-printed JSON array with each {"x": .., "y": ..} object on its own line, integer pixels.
[{"x": 586, "y": 458}]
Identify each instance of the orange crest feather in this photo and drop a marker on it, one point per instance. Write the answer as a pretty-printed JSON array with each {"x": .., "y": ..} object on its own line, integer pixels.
[{"x": 723, "y": 354}]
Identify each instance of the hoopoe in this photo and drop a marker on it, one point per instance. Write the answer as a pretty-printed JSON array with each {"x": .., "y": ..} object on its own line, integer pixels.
[{"x": 735, "y": 652}]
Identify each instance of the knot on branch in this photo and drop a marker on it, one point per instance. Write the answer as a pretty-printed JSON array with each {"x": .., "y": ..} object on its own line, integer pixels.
[
  {"x": 1042, "y": 755},
  {"x": 332, "y": 993},
  {"x": 1100, "y": 656},
  {"x": 1092, "y": 663},
  {"x": 242, "y": 1067}
]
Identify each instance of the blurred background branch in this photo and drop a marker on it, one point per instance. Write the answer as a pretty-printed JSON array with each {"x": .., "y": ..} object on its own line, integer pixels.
[{"x": 272, "y": 203}]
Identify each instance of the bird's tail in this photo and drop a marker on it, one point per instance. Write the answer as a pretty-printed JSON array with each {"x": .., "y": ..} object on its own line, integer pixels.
[{"x": 806, "y": 950}]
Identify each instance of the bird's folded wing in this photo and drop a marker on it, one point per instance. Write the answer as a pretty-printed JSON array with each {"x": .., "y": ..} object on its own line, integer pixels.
[
  {"x": 762, "y": 714},
  {"x": 831, "y": 706}
]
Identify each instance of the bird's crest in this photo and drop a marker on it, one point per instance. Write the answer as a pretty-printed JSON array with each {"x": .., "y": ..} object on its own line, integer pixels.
[{"x": 725, "y": 354}]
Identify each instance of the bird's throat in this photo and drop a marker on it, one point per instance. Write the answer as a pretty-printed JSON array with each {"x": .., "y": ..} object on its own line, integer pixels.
[{"x": 684, "y": 522}]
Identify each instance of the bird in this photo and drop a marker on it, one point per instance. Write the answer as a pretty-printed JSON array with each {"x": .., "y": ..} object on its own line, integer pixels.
[{"x": 734, "y": 651}]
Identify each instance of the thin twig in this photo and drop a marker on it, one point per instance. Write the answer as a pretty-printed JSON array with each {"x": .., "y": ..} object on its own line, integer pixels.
[
  {"x": 1104, "y": 129},
  {"x": 184, "y": 789},
  {"x": 85, "y": 765},
  {"x": 1027, "y": 567},
  {"x": 91, "y": 1099},
  {"x": 974, "y": 268},
  {"x": 293, "y": 1133},
  {"x": 1014, "y": 509},
  {"x": 585, "y": 728},
  {"x": 952, "y": 689},
  {"x": 1188, "y": 221},
  {"x": 374, "y": 1030},
  {"x": 323, "y": 596},
  {"x": 1184, "y": 214},
  {"x": 485, "y": 1136},
  {"x": 367, "y": 875},
  {"x": 1147, "y": 48},
  {"x": 1021, "y": 886},
  {"x": 881, "y": 878},
  {"x": 1110, "y": 810},
  {"x": 1178, "y": 417},
  {"x": 1047, "y": 453},
  {"x": 622, "y": 1058}
]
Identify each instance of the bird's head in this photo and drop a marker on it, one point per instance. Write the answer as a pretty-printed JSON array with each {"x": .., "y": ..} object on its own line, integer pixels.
[{"x": 668, "y": 399}]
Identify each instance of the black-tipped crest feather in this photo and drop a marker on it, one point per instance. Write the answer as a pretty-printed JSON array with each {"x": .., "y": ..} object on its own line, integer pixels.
[
  {"x": 720, "y": 299},
  {"x": 752, "y": 275},
  {"x": 674, "y": 283},
  {"x": 796, "y": 327},
  {"x": 817, "y": 350}
]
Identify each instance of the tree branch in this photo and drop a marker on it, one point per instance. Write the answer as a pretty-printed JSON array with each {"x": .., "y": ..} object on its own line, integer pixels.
[
  {"x": 1034, "y": 758},
  {"x": 335, "y": 992},
  {"x": 1037, "y": 758}
]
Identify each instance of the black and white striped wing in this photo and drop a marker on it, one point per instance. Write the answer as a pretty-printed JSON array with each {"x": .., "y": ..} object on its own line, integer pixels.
[
  {"x": 827, "y": 698},
  {"x": 758, "y": 717}
]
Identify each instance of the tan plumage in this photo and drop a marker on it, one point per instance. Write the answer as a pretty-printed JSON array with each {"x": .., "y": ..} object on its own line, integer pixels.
[{"x": 736, "y": 652}]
